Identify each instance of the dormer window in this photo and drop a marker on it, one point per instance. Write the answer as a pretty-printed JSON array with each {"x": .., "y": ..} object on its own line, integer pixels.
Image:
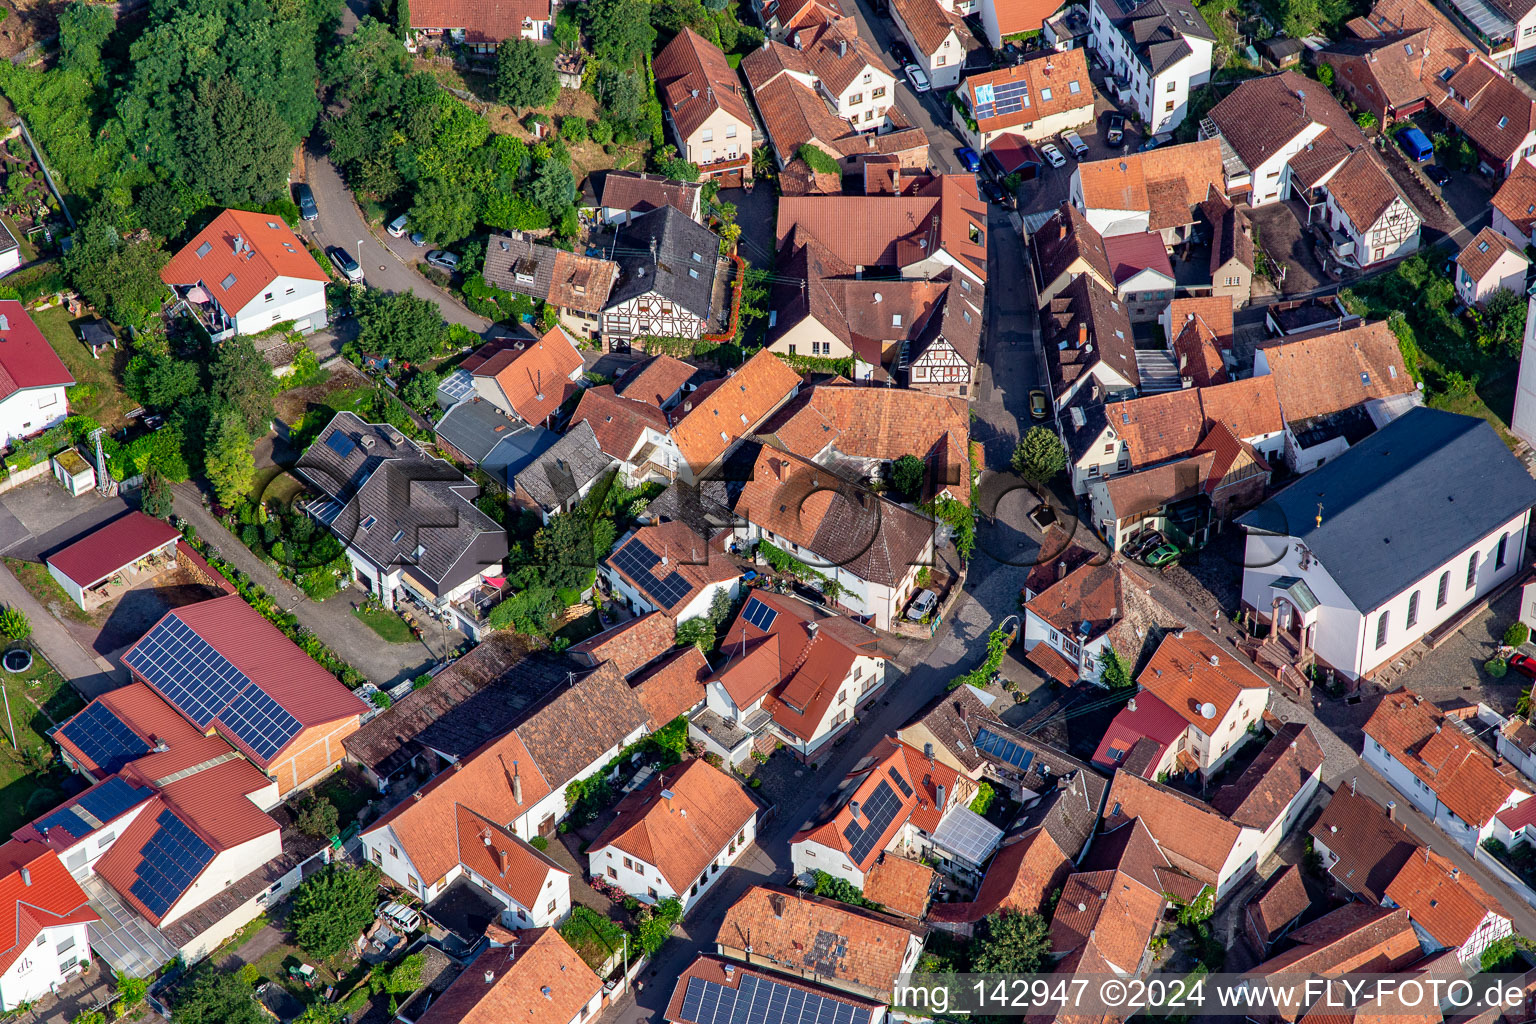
[{"x": 895, "y": 319}]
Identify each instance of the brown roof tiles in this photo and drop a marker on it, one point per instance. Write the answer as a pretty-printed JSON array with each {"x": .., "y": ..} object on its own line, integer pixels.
[
  {"x": 735, "y": 406},
  {"x": 1063, "y": 74},
  {"x": 1194, "y": 837},
  {"x": 1168, "y": 182},
  {"x": 1480, "y": 255},
  {"x": 540, "y": 980},
  {"x": 1363, "y": 189},
  {"x": 1269, "y": 785},
  {"x": 1328, "y": 373},
  {"x": 695, "y": 80},
  {"x": 900, "y": 884},
  {"x": 1369, "y": 846},
  {"x": 1516, "y": 198}
]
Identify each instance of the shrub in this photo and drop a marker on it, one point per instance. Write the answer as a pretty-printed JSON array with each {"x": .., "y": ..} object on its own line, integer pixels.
[
  {"x": 575, "y": 128},
  {"x": 1517, "y": 634},
  {"x": 421, "y": 682},
  {"x": 539, "y": 843},
  {"x": 14, "y": 624},
  {"x": 1495, "y": 667},
  {"x": 985, "y": 797},
  {"x": 318, "y": 817},
  {"x": 380, "y": 699}
]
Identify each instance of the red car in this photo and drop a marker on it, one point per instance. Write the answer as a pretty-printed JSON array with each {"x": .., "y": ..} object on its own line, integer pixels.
[{"x": 1524, "y": 664}]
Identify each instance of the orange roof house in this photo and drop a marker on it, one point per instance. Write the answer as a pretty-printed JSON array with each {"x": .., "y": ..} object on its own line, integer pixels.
[
  {"x": 1357, "y": 937},
  {"x": 41, "y": 908},
  {"x": 532, "y": 977},
  {"x": 527, "y": 378},
  {"x": 723, "y": 410},
  {"x": 245, "y": 272},
  {"x": 777, "y": 930},
  {"x": 1445, "y": 902},
  {"x": 672, "y": 837}
]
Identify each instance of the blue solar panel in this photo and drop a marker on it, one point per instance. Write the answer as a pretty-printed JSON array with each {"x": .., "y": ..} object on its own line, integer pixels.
[
  {"x": 638, "y": 562},
  {"x": 260, "y": 721},
  {"x": 759, "y": 614},
  {"x": 172, "y": 860},
  {"x": 1007, "y": 98},
  {"x": 341, "y": 444},
  {"x": 103, "y": 737},
  {"x": 759, "y": 1000},
  {"x": 1003, "y": 749},
  {"x": 186, "y": 670},
  {"x": 880, "y": 809},
  {"x": 68, "y": 820},
  {"x": 112, "y": 798},
  {"x": 901, "y": 783}
]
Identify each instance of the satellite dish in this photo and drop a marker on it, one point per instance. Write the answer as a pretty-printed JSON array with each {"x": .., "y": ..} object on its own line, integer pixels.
[{"x": 1208, "y": 710}]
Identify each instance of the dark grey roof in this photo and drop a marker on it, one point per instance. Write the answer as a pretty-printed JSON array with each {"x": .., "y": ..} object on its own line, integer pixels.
[
  {"x": 499, "y": 445},
  {"x": 95, "y": 333},
  {"x": 1157, "y": 29},
  {"x": 516, "y": 265},
  {"x": 684, "y": 265},
  {"x": 1402, "y": 503},
  {"x": 396, "y": 505},
  {"x": 1087, "y": 405},
  {"x": 565, "y": 467}
]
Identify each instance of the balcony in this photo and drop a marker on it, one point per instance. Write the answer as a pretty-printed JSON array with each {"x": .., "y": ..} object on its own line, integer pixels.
[{"x": 195, "y": 301}]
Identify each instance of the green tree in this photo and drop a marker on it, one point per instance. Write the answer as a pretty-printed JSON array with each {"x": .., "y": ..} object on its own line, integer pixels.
[
  {"x": 565, "y": 33},
  {"x": 553, "y": 188},
  {"x": 656, "y": 924},
  {"x": 212, "y": 996},
  {"x": 1039, "y": 456},
  {"x": 318, "y": 817},
  {"x": 332, "y": 907},
  {"x": 1501, "y": 323},
  {"x": 818, "y": 159},
  {"x": 160, "y": 210},
  {"x": 443, "y": 210},
  {"x": 234, "y": 145},
  {"x": 229, "y": 462},
  {"x": 83, "y": 31},
  {"x": 1114, "y": 672},
  {"x": 622, "y": 94},
  {"x": 1325, "y": 75},
  {"x": 156, "y": 499},
  {"x": 365, "y": 60},
  {"x": 698, "y": 631},
  {"x": 167, "y": 380},
  {"x": 116, "y": 275},
  {"x": 1010, "y": 943},
  {"x": 321, "y": 1012},
  {"x": 678, "y": 169},
  {"x": 242, "y": 380},
  {"x": 420, "y": 392},
  {"x": 620, "y": 30},
  {"x": 14, "y": 624},
  {"x": 130, "y": 993},
  {"x": 405, "y": 977},
  {"x": 401, "y": 326},
  {"x": 907, "y": 475},
  {"x": 525, "y": 73}
]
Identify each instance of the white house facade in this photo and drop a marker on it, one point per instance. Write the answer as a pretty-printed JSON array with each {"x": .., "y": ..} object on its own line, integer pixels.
[
  {"x": 1156, "y": 83},
  {"x": 57, "y": 956}
]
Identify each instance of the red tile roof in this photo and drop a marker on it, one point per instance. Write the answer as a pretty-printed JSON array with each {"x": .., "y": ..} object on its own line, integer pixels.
[
  {"x": 503, "y": 859},
  {"x": 1283, "y": 900},
  {"x": 697, "y": 562},
  {"x": 1371, "y": 847},
  {"x": 483, "y": 21},
  {"x": 47, "y": 898},
  {"x": 535, "y": 375},
  {"x": 632, "y": 643},
  {"x": 26, "y": 358},
  {"x": 1190, "y": 671},
  {"x": 269, "y": 250},
  {"x": 873, "y": 771},
  {"x": 1328, "y": 373},
  {"x": 1150, "y": 719},
  {"x": 1056, "y": 72},
  {"x": 680, "y": 821},
  {"x": 1194, "y": 837},
  {"x": 539, "y": 980},
  {"x": 617, "y": 422},
  {"x": 1130, "y": 254},
  {"x": 1441, "y": 899},
  {"x": 729, "y": 975},
  {"x": 1480, "y": 255},
  {"x": 695, "y": 80},
  {"x": 1274, "y": 779},
  {"x": 657, "y": 380},
  {"x": 900, "y": 884},
  {"x": 1516, "y": 198},
  {"x": 1458, "y": 770},
  {"x": 1357, "y": 937},
  {"x": 1027, "y": 869},
  {"x": 1167, "y": 182},
  {"x": 109, "y": 548},
  {"x": 272, "y": 661},
  {"x": 148, "y": 715},
  {"x": 672, "y": 686},
  {"x": 731, "y": 408}
]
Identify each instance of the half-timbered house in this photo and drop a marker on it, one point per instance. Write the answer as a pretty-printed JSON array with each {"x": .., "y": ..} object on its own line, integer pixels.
[{"x": 666, "y": 287}]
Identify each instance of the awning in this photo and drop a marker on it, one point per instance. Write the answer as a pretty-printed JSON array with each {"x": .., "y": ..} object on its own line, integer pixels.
[{"x": 1295, "y": 588}]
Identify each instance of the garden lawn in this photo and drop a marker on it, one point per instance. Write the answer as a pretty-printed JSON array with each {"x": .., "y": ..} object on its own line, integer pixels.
[
  {"x": 39, "y": 699},
  {"x": 35, "y": 577},
  {"x": 109, "y": 404},
  {"x": 390, "y": 626}
]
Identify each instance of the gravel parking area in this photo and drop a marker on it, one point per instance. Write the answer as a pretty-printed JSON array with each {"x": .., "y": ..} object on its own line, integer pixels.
[{"x": 1454, "y": 670}]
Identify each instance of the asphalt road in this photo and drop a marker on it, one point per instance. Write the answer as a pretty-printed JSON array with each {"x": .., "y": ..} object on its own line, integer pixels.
[{"x": 924, "y": 110}]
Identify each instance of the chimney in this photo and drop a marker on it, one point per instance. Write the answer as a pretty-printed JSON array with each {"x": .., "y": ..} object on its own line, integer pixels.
[
  {"x": 1391, "y": 810},
  {"x": 239, "y": 244},
  {"x": 928, "y": 752},
  {"x": 853, "y": 809},
  {"x": 517, "y": 785},
  {"x": 1455, "y": 873},
  {"x": 730, "y": 969},
  {"x": 26, "y": 876},
  {"x": 161, "y": 746},
  {"x": 777, "y": 900},
  {"x": 1215, "y": 661},
  {"x": 811, "y": 627},
  {"x": 503, "y": 861},
  {"x": 939, "y": 803},
  {"x": 842, "y": 47}
]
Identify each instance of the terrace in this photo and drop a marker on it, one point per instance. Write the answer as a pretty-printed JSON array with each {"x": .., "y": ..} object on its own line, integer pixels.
[{"x": 195, "y": 301}]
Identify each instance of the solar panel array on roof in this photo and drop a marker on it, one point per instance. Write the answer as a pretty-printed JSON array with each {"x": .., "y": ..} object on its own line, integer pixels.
[
  {"x": 1003, "y": 749},
  {"x": 758, "y": 1000},
  {"x": 173, "y": 858},
  {"x": 760, "y": 615},
  {"x": 637, "y": 562},
  {"x": 186, "y": 670},
  {"x": 104, "y": 738},
  {"x": 880, "y": 809},
  {"x": 112, "y": 798},
  {"x": 1007, "y": 98},
  {"x": 901, "y": 783},
  {"x": 204, "y": 685},
  {"x": 341, "y": 444},
  {"x": 66, "y": 819}
]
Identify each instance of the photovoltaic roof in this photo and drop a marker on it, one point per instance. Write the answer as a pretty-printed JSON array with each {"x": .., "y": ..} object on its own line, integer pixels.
[
  {"x": 758, "y": 1000},
  {"x": 204, "y": 685},
  {"x": 997, "y": 100},
  {"x": 1004, "y": 749},
  {"x": 94, "y": 808},
  {"x": 104, "y": 738},
  {"x": 760, "y": 615},
  {"x": 172, "y": 860},
  {"x": 880, "y": 809},
  {"x": 638, "y": 562}
]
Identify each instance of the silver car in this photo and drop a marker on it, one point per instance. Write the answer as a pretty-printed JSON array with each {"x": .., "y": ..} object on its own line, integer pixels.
[{"x": 1053, "y": 155}]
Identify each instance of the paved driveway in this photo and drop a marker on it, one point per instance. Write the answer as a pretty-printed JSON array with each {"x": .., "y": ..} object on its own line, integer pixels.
[{"x": 38, "y": 518}]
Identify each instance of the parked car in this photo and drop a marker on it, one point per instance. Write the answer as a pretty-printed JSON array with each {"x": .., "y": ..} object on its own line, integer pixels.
[
  {"x": 418, "y": 239},
  {"x": 1524, "y": 664},
  {"x": 400, "y": 915},
  {"x": 916, "y": 78},
  {"x": 1153, "y": 141},
  {"x": 1415, "y": 143},
  {"x": 306, "y": 197},
  {"x": 1038, "y": 405},
  {"x": 900, "y": 53},
  {"x": 991, "y": 191},
  {"x": 396, "y": 227},
  {"x": 1075, "y": 143},
  {"x": 343, "y": 261},
  {"x": 1437, "y": 174},
  {"x": 1053, "y": 155},
  {"x": 1114, "y": 132},
  {"x": 1163, "y": 555},
  {"x": 922, "y": 605},
  {"x": 442, "y": 259},
  {"x": 1142, "y": 543},
  {"x": 968, "y": 159}
]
